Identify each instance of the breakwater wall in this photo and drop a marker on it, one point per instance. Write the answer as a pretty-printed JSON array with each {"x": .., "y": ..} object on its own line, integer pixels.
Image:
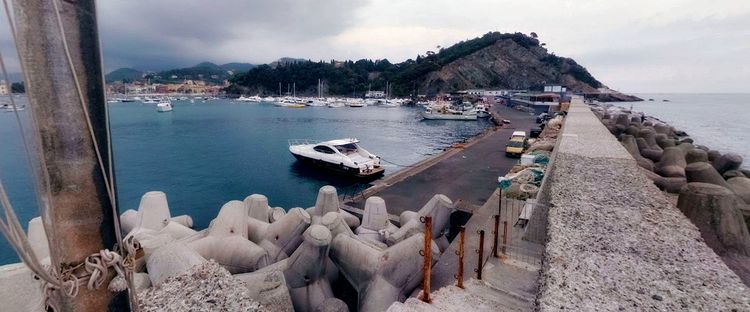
[{"x": 615, "y": 241}]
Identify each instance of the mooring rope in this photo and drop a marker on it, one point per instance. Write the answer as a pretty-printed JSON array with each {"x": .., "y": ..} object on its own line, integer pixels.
[
  {"x": 395, "y": 164},
  {"x": 94, "y": 271}
]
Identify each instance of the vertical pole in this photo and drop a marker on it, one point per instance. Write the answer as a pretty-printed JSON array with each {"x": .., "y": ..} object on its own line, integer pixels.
[
  {"x": 427, "y": 265},
  {"x": 460, "y": 275},
  {"x": 480, "y": 259},
  {"x": 505, "y": 235},
  {"x": 495, "y": 236},
  {"x": 77, "y": 212}
]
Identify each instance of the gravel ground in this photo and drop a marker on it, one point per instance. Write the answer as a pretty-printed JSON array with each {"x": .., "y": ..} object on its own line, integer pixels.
[
  {"x": 205, "y": 287},
  {"x": 617, "y": 243}
]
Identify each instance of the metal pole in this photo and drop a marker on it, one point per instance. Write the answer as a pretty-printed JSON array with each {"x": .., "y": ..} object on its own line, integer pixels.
[
  {"x": 505, "y": 235},
  {"x": 77, "y": 212},
  {"x": 460, "y": 275},
  {"x": 427, "y": 265},
  {"x": 495, "y": 234},
  {"x": 480, "y": 260}
]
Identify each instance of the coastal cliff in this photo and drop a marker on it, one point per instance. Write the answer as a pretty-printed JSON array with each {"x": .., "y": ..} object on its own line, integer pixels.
[{"x": 492, "y": 61}]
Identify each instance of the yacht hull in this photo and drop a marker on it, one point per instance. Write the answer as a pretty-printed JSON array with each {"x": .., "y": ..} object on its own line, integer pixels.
[{"x": 340, "y": 169}]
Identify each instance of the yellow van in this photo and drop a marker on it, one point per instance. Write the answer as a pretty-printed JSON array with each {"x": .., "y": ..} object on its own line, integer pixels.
[{"x": 515, "y": 147}]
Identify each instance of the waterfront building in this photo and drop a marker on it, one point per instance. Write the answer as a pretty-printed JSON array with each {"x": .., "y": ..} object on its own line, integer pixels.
[{"x": 3, "y": 88}]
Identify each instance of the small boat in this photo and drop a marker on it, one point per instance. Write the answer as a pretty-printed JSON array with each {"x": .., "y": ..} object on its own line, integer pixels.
[
  {"x": 344, "y": 156},
  {"x": 150, "y": 101},
  {"x": 164, "y": 106}
]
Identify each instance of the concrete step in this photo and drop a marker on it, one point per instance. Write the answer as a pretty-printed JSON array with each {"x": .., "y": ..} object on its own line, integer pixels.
[{"x": 476, "y": 296}]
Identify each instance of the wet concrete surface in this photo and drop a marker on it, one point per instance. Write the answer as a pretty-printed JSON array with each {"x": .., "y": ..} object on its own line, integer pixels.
[{"x": 468, "y": 175}]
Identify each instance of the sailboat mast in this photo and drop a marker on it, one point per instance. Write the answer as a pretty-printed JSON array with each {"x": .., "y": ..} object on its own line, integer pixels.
[
  {"x": 70, "y": 130},
  {"x": 319, "y": 88}
]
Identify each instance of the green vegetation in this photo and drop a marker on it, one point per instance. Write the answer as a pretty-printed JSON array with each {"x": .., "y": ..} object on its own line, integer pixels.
[{"x": 355, "y": 77}]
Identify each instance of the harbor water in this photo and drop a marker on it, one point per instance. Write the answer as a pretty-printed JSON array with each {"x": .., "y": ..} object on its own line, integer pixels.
[{"x": 205, "y": 154}]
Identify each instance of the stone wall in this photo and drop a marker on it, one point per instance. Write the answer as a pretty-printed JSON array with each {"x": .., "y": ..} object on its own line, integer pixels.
[{"x": 615, "y": 242}]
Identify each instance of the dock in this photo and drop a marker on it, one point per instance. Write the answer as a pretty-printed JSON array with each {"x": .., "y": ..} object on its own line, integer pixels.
[{"x": 467, "y": 173}]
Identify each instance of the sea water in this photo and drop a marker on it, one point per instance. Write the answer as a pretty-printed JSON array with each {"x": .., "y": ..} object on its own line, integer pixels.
[
  {"x": 719, "y": 121},
  {"x": 205, "y": 154}
]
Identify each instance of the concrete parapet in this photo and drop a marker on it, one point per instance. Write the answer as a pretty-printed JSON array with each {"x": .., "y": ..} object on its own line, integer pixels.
[{"x": 612, "y": 233}]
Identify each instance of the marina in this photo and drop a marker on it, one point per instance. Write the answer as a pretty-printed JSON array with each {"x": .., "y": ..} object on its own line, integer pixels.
[{"x": 487, "y": 175}]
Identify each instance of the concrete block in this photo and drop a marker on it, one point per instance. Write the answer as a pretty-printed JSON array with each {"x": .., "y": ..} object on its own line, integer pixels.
[
  {"x": 257, "y": 207},
  {"x": 226, "y": 241},
  {"x": 696, "y": 155},
  {"x": 713, "y": 209},
  {"x": 380, "y": 277},
  {"x": 726, "y": 162},
  {"x": 305, "y": 272},
  {"x": 170, "y": 260},
  {"x": 733, "y": 174},
  {"x": 268, "y": 287},
  {"x": 704, "y": 172},
  {"x": 741, "y": 187},
  {"x": 672, "y": 163}
]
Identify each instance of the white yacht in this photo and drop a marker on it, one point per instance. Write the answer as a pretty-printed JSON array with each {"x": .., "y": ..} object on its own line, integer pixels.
[
  {"x": 344, "y": 156},
  {"x": 164, "y": 106}
]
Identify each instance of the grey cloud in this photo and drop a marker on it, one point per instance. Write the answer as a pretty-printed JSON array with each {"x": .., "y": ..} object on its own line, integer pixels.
[{"x": 161, "y": 34}]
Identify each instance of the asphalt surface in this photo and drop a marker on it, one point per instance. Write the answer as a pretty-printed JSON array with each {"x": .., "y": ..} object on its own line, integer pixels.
[{"x": 470, "y": 175}]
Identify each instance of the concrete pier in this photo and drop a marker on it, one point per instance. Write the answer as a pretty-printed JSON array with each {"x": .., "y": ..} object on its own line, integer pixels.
[
  {"x": 467, "y": 175},
  {"x": 615, "y": 242}
]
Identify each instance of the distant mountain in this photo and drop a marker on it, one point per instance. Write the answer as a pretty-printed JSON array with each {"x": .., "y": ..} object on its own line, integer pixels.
[
  {"x": 238, "y": 67},
  {"x": 205, "y": 71},
  {"x": 123, "y": 74},
  {"x": 495, "y": 60}
]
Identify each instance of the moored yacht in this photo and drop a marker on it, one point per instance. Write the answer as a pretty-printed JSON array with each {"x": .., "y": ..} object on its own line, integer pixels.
[
  {"x": 164, "y": 106},
  {"x": 344, "y": 156},
  {"x": 446, "y": 113}
]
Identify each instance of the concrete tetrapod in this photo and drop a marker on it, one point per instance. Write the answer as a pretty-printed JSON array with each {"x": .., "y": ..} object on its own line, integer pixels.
[
  {"x": 380, "y": 277},
  {"x": 328, "y": 201},
  {"x": 704, "y": 172},
  {"x": 672, "y": 163},
  {"x": 305, "y": 271},
  {"x": 741, "y": 187},
  {"x": 726, "y": 162},
  {"x": 153, "y": 214},
  {"x": 696, "y": 155},
  {"x": 714, "y": 210},
  {"x": 375, "y": 220},
  {"x": 628, "y": 141},
  {"x": 439, "y": 207},
  {"x": 281, "y": 238},
  {"x": 257, "y": 208},
  {"x": 733, "y": 174},
  {"x": 170, "y": 260},
  {"x": 226, "y": 241}
]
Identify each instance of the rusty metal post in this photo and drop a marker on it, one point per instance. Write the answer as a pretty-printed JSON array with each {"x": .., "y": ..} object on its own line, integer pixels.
[
  {"x": 495, "y": 236},
  {"x": 505, "y": 235},
  {"x": 54, "y": 46},
  {"x": 460, "y": 253},
  {"x": 427, "y": 255},
  {"x": 480, "y": 261}
]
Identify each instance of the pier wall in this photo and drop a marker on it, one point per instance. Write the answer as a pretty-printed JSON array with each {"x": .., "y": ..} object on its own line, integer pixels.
[{"x": 615, "y": 242}]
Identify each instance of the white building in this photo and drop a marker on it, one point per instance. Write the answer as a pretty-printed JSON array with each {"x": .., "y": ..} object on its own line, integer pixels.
[{"x": 3, "y": 88}]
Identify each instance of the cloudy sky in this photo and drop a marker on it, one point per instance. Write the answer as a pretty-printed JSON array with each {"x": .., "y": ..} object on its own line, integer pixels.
[{"x": 633, "y": 46}]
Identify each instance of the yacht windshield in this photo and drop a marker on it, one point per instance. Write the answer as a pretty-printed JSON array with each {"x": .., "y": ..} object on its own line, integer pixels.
[{"x": 347, "y": 148}]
